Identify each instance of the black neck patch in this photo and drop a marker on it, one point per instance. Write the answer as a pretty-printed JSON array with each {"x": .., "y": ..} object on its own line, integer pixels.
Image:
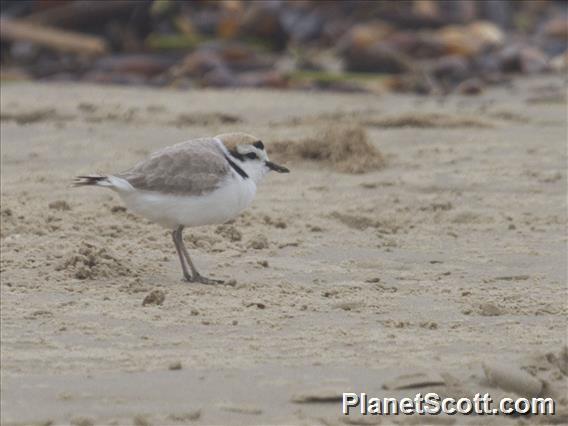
[
  {"x": 236, "y": 154},
  {"x": 236, "y": 167}
]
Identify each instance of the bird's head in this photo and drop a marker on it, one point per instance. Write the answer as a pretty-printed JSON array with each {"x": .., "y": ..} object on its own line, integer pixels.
[{"x": 249, "y": 153}]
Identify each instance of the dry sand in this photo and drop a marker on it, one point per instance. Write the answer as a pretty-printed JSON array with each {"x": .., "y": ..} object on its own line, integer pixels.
[{"x": 446, "y": 254}]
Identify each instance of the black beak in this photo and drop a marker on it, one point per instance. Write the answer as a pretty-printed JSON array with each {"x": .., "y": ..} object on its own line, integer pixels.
[{"x": 276, "y": 167}]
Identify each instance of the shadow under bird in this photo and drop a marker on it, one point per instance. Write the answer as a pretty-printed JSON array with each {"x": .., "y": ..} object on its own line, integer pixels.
[{"x": 202, "y": 181}]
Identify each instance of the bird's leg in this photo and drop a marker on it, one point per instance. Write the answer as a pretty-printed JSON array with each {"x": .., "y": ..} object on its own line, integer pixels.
[
  {"x": 197, "y": 277},
  {"x": 176, "y": 236}
]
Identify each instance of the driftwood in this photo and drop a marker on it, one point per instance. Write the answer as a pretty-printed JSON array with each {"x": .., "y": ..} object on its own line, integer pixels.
[
  {"x": 60, "y": 40},
  {"x": 78, "y": 13}
]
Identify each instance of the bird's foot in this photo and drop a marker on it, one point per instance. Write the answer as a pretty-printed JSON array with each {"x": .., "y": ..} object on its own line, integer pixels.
[{"x": 204, "y": 280}]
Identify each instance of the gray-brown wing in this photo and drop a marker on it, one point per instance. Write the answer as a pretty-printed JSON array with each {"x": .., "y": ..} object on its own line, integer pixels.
[{"x": 189, "y": 168}]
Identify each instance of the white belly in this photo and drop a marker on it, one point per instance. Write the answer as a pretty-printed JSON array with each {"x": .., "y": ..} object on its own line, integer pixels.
[{"x": 169, "y": 210}]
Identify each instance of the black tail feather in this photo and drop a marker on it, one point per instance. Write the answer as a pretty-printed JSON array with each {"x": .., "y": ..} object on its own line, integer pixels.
[{"x": 88, "y": 180}]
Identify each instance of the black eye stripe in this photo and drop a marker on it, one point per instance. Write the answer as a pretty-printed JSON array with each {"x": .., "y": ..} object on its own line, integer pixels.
[
  {"x": 258, "y": 144},
  {"x": 251, "y": 155}
]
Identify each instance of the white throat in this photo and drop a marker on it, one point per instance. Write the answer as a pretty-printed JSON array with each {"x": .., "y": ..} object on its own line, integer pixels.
[{"x": 256, "y": 170}]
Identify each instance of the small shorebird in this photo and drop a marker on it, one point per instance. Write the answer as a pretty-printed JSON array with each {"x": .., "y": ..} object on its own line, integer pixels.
[{"x": 199, "y": 182}]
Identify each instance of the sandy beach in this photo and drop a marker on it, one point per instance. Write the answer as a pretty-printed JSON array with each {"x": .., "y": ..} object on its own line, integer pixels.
[{"x": 430, "y": 244}]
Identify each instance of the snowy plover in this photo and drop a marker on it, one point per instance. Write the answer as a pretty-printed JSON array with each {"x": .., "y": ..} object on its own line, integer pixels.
[{"x": 199, "y": 182}]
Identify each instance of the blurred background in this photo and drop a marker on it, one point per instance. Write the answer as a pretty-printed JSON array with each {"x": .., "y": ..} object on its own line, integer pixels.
[
  {"x": 419, "y": 46},
  {"x": 418, "y": 245}
]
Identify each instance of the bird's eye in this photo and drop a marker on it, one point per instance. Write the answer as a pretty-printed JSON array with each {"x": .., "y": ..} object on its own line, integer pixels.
[{"x": 251, "y": 155}]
